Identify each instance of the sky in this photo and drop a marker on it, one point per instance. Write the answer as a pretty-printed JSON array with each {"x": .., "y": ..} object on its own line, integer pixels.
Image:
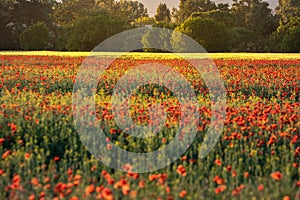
[{"x": 151, "y": 5}]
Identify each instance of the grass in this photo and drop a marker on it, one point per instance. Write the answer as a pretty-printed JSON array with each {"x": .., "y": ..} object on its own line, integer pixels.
[{"x": 42, "y": 156}]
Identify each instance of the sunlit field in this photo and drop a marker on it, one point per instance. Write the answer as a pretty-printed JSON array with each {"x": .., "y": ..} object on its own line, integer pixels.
[
  {"x": 134, "y": 55},
  {"x": 256, "y": 157}
]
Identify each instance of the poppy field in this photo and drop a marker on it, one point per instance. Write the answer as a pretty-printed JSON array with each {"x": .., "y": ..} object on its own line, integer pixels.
[{"x": 256, "y": 157}]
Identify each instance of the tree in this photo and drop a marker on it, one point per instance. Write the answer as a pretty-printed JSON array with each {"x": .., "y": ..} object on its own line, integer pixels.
[
  {"x": 16, "y": 15},
  {"x": 261, "y": 21},
  {"x": 286, "y": 37},
  {"x": 221, "y": 16},
  {"x": 242, "y": 39},
  {"x": 157, "y": 38},
  {"x": 188, "y": 7},
  {"x": 144, "y": 21},
  {"x": 35, "y": 37},
  {"x": 223, "y": 7},
  {"x": 88, "y": 31},
  {"x": 241, "y": 10},
  {"x": 288, "y": 9},
  {"x": 162, "y": 13},
  {"x": 256, "y": 16},
  {"x": 213, "y": 36},
  {"x": 130, "y": 10},
  {"x": 167, "y": 25},
  {"x": 67, "y": 11}
]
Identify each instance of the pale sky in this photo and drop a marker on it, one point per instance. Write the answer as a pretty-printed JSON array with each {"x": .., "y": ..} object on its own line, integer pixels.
[{"x": 151, "y": 5}]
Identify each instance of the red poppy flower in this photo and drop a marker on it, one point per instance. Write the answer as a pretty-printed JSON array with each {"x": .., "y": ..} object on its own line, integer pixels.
[
  {"x": 182, "y": 194},
  {"x": 276, "y": 175},
  {"x": 181, "y": 170},
  {"x": 89, "y": 189},
  {"x": 260, "y": 187}
]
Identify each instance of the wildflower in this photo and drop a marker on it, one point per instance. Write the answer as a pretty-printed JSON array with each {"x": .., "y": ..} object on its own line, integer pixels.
[
  {"x": 183, "y": 158},
  {"x": 168, "y": 189},
  {"x": 218, "y": 162},
  {"x": 182, "y": 194},
  {"x": 233, "y": 174},
  {"x": 89, "y": 189},
  {"x": 234, "y": 192},
  {"x": 13, "y": 127},
  {"x": 107, "y": 194},
  {"x": 133, "y": 194},
  {"x": 124, "y": 185},
  {"x": 56, "y": 158},
  {"x": 16, "y": 181},
  {"x": 142, "y": 184},
  {"x": 47, "y": 186},
  {"x": 34, "y": 181},
  {"x": 70, "y": 171},
  {"x": 134, "y": 175},
  {"x": 228, "y": 168},
  {"x": 42, "y": 195},
  {"x": 181, "y": 170},
  {"x": 276, "y": 175},
  {"x": 99, "y": 189},
  {"x": 220, "y": 189},
  {"x": 5, "y": 154},
  {"x": 46, "y": 179},
  {"x": 26, "y": 156},
  {"x": 260, "y": 187},
  {"x": 31, "y": 197}
]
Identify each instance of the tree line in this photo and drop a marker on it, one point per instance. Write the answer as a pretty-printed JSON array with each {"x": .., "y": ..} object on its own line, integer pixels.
[{"x": 77, "y": 25}]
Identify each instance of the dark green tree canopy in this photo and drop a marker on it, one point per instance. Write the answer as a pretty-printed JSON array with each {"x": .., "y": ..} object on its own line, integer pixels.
[
  {"x": 212, "y": 35},
  {"x": 287, "y": 36},
  {"x": 162, "y": 13},
  {"x": 130, "y": 9},
  {"x": 247, "y": 25},
  {"x": 16, "y": 15},
  {"x": 188, "y": 7},
  {"x": 288, "y": 9},
  {"x": 35, "y": 37},
  {"x": 88, "y": 31}
]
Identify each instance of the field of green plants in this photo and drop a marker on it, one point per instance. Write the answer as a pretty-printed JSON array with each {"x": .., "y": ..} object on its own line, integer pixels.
[{"x": 256, "y": 157}]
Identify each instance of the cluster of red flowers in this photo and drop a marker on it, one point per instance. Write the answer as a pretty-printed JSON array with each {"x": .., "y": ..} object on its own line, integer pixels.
[{"x": 42, "y": 157}]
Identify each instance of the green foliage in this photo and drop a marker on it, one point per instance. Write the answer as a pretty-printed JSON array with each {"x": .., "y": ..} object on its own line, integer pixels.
[
  {"x": 257, "y": 17},
  {"x": 152, "y": 39},
  {"x": 162, "y": 13},
  {"x": 242, "y": 39},
  {"x": 288, "y": 9},
  {"x": 165, "y": 25},
  {"x": 286, "y": 38},
  {"x": 224, "y": 17},
  {"x": 144, "y": 21},
  {"x": 35, "y": 37},
  {"x": 188, "y": 7},
  {"x": 87, "y": 32},
  {"x": 130, "y": 10},
  {"x": 212, "y": 35},
  {"x": 15, "y": 15},
  {"x": 251, "y": 23},
  {"x": 69, "y": 10},
  {"x": 87, "y": 23}
]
